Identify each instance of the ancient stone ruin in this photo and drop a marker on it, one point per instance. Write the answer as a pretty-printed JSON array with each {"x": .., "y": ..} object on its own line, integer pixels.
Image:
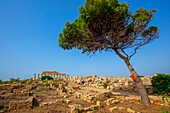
[
  {"x": 77, "y": 94},
  {"x": 53, "y": 74}
]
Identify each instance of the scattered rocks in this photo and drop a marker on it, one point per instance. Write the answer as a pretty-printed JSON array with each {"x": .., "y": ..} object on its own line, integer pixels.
[
  {"x": 129, "y": 110},
  {"x": 63, "y": 93},
  {"x": 30, "y": 102},
  {"x": 112, "y": 109}
]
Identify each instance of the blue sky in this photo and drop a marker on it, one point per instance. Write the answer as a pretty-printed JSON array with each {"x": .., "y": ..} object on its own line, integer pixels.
[{"x": 29, "y": 41}]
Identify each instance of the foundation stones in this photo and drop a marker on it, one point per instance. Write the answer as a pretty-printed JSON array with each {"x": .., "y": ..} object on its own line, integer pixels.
[{"x": 30, "y": 102}]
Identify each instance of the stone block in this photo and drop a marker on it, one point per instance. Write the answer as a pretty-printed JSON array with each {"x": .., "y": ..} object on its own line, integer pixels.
[
  {"x": 98, "y": 103},
  {"x": 75, "y": 108},
  {"x": 91, "y": 99},
  {"x": 23, "y": 104},
  {"x": 17, "y": 92},
  {"x": 6, "y": 86},
  {"x": 109, "y": 101},
  {"x": 132, "y": 99},
  {"x": 129, "y": 110},
  {"x": 112, "y": 109},
  {"x": 120, "y": 98}
]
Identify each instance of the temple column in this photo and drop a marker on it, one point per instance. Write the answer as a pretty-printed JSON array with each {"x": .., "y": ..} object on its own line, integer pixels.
[
  {"x": 38, "y": 76},
  {"x": 35, "y": 77}
]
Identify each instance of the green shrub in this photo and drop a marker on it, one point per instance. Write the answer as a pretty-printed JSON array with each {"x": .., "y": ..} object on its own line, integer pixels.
[
  {"x": 46, "y": 84},
  {"x": 46, "y": 77},
  {"x": 161, "y": 84},
  {"x": 15, "y": 79},
  {"x": 24, "y": 81},
  {"x": 164, "y": 111},
  {"x": 59, "y": 80},
  {"x": 64, "y": 88},
  {"x": 166, "y": 98},
  {"x": 104, "y": 85},
  {"x": 5, "y": 82}
]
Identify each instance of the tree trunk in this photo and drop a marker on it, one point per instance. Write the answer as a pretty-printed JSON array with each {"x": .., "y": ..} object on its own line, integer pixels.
[{"x": 138, "y": 82}]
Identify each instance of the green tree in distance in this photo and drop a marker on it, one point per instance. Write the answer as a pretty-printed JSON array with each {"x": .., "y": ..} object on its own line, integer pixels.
[{"x": 108, "y": 25}]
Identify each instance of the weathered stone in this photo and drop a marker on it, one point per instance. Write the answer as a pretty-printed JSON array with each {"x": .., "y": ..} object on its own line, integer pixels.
[
  {"x": 120, "y": 98},
  {"x": 121, "y": 108},
  {"x": 89, "y": 111},
  {"x": 115, "y": 101},
  {"x": 116, "y": 86},
  {"x": 91, "y": 99},
  {"x": 75, "y": 108},
  {"x": 155, "y": 99},
  {"x": 112, "y": 109},
  {"x": 44, "y": 104},
  {"x": 77, "y": 94},
  {"x": 98, "y": 103},
  {"x": 17, "y": 92},
  {"x": 6, "y": 86},
  {"x": 90, "y": 108},
  {"x": 35, "y": 77},
  {"x": 129, "y": 110},
  {"x": 23, "y": 104},
  {"x": 126, "y": 83},
  {"x": 67, "y": 101},
  {"x": 109, "y": 101},
  {"x": 132, "y": 99}
]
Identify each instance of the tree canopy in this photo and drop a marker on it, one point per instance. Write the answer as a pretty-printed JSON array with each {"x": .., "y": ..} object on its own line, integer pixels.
[{"x": 109, "y": 25}]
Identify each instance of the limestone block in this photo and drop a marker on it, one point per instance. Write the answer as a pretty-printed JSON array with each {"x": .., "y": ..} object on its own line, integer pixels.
[
  {"x": 78, "y": 95},
  {"x": 129, "y": 110},
  {"x": 108, "y": 87},
  {"x": 109, "y": 101},
  {"x": 17, "y": 92},
  {"x": 133, "y": 99},
  {"x": 120, "y": 98},
  {"x": 23, "y": 104},
  {"x": 74, "y": 108},
  {"x": 116, "y": 86},
  {"x": 90, "y": 108},
  {"x": 121, "y": 108},
  {"x": 6, "y": 86},
  {"x": 44, "y": 104},
  {"x": 156, "y": 101},
  {"x": 89, "y": 111},
  {"x": 112, "y": 109},
  {"x": 67, "y": 101},
  {"x": 98, "y": 103},
  {"x": 115, "y": 101},
  {"x": 126, "y": 83},
  {"x": 91, "y": 99}
]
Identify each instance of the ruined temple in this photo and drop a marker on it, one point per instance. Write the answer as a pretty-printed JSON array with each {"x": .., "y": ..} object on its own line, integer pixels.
[{"x": 53, "y": 74}]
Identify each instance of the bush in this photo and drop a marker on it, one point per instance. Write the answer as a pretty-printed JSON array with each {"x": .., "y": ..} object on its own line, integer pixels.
[
  {"x": 63, "y": 88},
  {"x": 104, "y": 85},
  {"x": 59, "y": 80},
  {"x": 46, "y": 77},
  {"x": 15, "y": 79},
  {"x": 161, "y": 84},
  {"x": 46, "y": 84},
  {"x": 5, "y": 82}
]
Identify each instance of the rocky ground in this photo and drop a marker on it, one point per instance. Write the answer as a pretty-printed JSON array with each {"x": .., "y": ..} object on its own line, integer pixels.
[{"x": 68, "y": 96}]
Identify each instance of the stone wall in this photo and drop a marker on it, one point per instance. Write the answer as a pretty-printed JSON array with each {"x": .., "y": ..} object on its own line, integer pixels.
[
  {"x": 115, "y": 83},
  {"x": 30, "y": 102}
]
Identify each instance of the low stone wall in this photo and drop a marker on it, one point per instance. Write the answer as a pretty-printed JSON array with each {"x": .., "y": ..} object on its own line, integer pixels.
[
  {"x": 30, "y": 102},
  {"x": 115, "y": 83}
]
